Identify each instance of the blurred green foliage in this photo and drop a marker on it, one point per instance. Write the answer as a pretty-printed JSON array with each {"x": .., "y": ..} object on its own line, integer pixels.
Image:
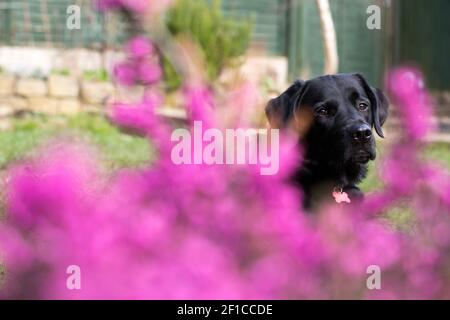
[
  {"x": 221, "y": 39},
  {"x": 100, "y": 75},
  {"x": 61, "y": 72}
]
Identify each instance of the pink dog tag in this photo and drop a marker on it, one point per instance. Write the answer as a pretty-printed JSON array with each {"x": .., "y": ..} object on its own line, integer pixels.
[{"x": 340, "y": 196}]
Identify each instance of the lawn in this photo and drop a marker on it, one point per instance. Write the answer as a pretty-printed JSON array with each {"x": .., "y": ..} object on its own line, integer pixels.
[{"x": 117, "y": 149}]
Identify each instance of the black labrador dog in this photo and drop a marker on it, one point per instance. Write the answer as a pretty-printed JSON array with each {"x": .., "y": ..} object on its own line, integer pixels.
[{"x": 334, "y": 116}]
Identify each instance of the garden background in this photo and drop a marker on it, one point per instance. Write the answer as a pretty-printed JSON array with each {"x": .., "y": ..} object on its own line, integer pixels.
[
  {"x": 54, "y": 80},
  {"x": 59, "y": 83}
]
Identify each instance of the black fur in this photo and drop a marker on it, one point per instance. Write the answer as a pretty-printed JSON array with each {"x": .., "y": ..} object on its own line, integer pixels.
[{"x": 334, "y": 116}]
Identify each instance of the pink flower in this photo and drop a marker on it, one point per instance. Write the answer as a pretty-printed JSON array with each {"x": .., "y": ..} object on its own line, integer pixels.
[
  {"x": 139, "y": 47},
  {"x": 125, "y": 73},
  {"x": 138, "y": 6},
  {"x": 149, "y": 73},
  {"x": 407, "y": 89},
  {"x": 104, "y": 5}
]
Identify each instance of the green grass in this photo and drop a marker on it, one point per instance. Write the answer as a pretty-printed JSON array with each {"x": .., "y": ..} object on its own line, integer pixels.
[
  {"x": 116, "y": 148},
  {"x": 439, "y": 152}
]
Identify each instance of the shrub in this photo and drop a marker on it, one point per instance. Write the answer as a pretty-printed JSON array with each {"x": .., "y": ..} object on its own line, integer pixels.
[{"x": 221, "y": 39}]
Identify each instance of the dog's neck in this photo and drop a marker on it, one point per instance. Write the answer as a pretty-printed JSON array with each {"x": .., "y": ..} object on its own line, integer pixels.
[
  {"x": 338, "y": 175},
  {"x": 318, "y": 181}
]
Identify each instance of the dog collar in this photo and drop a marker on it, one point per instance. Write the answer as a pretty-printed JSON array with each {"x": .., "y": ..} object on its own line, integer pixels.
[{"x": 340, "y": 196}]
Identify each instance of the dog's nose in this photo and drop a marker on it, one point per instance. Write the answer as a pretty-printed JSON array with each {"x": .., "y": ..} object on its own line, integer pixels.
[{"x": 362, "y": 133}]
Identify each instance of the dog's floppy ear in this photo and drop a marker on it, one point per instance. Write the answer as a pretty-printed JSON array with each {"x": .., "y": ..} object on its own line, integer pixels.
[
  {"x": 380, "y": 105},
  {"x": 279, "y": 110}
]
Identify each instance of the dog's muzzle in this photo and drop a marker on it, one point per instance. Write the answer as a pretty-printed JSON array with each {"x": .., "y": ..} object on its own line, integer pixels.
[{"x": 363, "y": 143}]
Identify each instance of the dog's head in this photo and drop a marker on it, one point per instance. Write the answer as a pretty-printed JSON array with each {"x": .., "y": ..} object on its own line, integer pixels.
[{"x": 335, "y": 116}]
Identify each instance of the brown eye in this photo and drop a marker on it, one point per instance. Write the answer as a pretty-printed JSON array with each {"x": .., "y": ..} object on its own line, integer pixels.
[
  {"x": 323, "y": 112},
  {"x": 363, "y": 106}
]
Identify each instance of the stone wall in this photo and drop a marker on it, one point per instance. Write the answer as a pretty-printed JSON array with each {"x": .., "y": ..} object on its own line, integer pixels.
[
  {"x": 28, "y": 82},
  {"x": 28, "y": 61},
  {"x": 56, "y": 94}
]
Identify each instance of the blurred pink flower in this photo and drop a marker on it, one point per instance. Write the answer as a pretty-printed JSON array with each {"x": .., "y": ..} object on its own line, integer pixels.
[
  {"x": 149, "y": 72},
  {"x": 139, "y": 47},
  {"x": 408, "y": 90},
  {"x": 141, "y": 66},
  {"x": 104, "y": 5},
  {"x": 125, "y": 73},
  {"x": 138, "y": 7}
]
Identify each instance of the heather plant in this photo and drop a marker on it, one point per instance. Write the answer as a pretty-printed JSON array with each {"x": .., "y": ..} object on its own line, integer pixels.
[{"x": 209, "y": 231}]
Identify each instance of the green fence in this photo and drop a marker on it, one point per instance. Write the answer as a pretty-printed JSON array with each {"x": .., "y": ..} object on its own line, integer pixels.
[
  {"x": 43, "y": 23},
  {"x": 292, "y": 28},
  {"x": 281, "y": 27},
  {"x": 423, "y": 38},
  {"x": 360, "y": 49},
  {"x": 268, "y": 19}
]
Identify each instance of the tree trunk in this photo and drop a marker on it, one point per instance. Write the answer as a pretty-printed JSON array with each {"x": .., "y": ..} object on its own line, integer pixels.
[{"x": 331, "y": 64}]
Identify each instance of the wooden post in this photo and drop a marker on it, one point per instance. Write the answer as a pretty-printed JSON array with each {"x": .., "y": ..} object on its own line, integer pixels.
[{"x": 331, "y": 64}]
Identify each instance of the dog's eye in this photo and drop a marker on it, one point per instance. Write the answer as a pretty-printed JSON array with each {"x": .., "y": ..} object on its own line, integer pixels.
[
  {"x": 323, "y": 112},
  {"x": 363, "y": 106}
]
